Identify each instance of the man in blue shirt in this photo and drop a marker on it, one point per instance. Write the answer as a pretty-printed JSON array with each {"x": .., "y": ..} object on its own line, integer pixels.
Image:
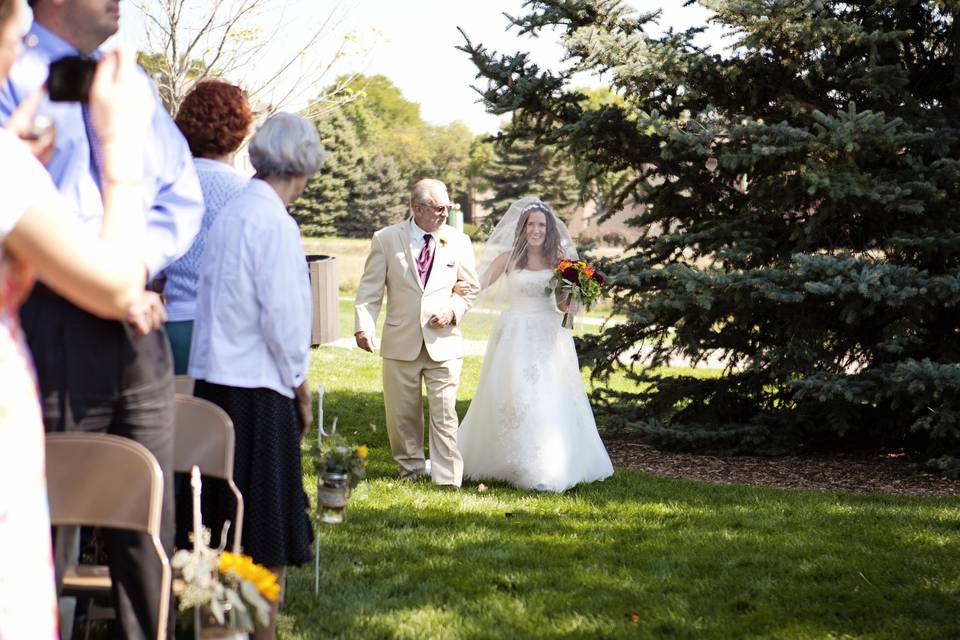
[{"x": 100, "y": 375}]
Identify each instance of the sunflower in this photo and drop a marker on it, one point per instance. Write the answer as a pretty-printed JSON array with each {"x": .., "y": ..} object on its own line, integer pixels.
[{"x": 245, "y": 568}]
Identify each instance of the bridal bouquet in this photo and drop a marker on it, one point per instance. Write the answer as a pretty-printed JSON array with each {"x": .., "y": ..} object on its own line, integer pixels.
[{"x": 578, "y": 280}]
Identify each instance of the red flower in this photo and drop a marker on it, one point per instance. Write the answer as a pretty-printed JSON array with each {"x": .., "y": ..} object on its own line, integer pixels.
[
  {"x": 571, "y": 275},
  {"x": 598, "y": 278}
]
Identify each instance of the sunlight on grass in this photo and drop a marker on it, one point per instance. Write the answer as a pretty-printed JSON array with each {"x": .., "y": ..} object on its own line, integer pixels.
[{"x": 635, "y": 556}]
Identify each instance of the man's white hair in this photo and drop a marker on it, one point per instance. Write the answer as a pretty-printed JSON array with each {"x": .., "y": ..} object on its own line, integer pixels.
[{"x": 423, "y": 189}]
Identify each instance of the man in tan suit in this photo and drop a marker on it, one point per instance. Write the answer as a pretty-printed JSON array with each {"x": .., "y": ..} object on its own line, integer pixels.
[{"x": 418, "y": 262}]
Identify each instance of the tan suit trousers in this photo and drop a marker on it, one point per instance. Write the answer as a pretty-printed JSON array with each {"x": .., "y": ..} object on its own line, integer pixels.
[{"x": 402, "y": 384}]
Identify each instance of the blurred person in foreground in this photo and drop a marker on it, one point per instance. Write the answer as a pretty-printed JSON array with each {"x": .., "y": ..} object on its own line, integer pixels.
[
  {"x": 215, "y": 119},
  {"x": 96, "y": 374},
  {"x": 105, "y": 274},
  {"x": 251, "y": 344}
]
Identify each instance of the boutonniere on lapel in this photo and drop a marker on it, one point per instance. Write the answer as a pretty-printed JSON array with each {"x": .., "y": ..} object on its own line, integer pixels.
[{"x": 442, "y": 238}]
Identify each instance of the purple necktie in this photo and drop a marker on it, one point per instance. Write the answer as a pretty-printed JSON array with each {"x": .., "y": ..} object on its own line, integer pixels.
[{"x": 425, "y": 260}]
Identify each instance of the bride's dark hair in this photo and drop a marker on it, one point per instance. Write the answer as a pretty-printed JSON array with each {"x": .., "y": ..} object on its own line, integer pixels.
[{"x": 551, "y": 241}]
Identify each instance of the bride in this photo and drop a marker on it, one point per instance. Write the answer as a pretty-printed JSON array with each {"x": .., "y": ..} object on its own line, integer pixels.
[{"x": 530, "y": 423}]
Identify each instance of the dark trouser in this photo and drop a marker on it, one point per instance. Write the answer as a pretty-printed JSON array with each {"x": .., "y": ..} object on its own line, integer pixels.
[{"x": 96, "y": 376}]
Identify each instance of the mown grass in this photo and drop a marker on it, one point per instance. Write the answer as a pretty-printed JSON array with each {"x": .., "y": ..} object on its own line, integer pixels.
[{"x": 635, "y": 556}]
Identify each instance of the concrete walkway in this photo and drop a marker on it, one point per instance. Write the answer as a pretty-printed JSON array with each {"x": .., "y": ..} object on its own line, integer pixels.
[{"x": 479, "y": 347}]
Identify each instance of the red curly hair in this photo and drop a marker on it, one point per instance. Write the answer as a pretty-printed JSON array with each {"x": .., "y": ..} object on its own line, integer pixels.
[{"x": 214, "y": 118}]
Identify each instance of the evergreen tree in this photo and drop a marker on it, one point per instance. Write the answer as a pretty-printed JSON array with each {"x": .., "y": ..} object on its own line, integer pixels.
[
  {"x": 523, "y": 167},
  {"x": 380, "y": 199},
  {"x": 807, "y": 185},
  {"x": 327, "y": 196}
]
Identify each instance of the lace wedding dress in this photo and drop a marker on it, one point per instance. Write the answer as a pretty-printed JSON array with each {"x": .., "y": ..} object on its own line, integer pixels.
[{"x": 530, "y": 423}]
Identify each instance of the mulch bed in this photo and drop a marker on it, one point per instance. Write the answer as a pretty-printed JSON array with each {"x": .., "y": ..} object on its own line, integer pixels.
[{"x": 861, "y": 472}]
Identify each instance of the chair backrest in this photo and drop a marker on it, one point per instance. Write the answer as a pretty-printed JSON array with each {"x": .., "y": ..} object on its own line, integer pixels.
[
  {"x": 204, "y": 437},
  {"x": 102, "y": 480},
  {"x": 184, "y": 384},
  {"x": 96, "y": 479}
]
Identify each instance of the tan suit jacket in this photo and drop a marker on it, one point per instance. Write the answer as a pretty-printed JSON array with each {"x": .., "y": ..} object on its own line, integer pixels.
[{"x": 391, "y": 269}]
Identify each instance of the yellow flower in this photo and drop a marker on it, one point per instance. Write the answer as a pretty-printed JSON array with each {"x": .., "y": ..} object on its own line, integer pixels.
[
  {"x": 443, "y": 240},
  {"x": 245, "y": 568},
  {"x": 362, "y": 451}
]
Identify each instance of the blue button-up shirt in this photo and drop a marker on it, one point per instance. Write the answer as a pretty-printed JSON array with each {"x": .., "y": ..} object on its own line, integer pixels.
[
  {"x": 170, "y": 185},
  {"x": 251, "y": 327}
]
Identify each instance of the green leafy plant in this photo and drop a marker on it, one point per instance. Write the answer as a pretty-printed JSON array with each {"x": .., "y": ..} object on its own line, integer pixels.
[{"x": 336, "y": 456}]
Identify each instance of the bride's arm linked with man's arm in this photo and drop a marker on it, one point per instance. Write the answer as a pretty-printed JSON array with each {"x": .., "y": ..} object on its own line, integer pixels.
[
  {"x": 467, "y": 287},
  {"x": 488, "y": 278}
]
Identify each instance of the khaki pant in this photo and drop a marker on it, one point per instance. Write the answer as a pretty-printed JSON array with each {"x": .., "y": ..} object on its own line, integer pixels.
[{"x": 403, "y": 402}]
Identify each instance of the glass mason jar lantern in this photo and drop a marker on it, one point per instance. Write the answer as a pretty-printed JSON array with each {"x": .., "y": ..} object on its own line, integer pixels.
[
  {"x": 207, "y": 627},
  {"x": 333, "y": 491}
]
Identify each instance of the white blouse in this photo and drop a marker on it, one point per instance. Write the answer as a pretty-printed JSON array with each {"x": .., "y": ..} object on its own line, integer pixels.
[{"x": 253, "y": 314}]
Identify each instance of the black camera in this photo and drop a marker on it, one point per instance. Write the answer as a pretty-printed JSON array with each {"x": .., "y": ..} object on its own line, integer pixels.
[{"x": 70, "y": 79}]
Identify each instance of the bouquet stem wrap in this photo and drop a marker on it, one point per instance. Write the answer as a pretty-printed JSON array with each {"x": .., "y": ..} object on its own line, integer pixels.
[{"x": 570, "y": 313}]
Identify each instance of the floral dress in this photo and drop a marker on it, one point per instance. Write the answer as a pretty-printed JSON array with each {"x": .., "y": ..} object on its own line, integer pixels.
[{"x": 27, "y": 600}]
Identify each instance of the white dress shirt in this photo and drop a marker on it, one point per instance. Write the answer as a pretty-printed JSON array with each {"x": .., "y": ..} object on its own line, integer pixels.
[
  {"x": 416, "y": 239},
  {"x": 253, "y": 314}
]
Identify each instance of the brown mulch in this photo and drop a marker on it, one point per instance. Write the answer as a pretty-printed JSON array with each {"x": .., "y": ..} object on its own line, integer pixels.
[{"x": 861, "y": 472}]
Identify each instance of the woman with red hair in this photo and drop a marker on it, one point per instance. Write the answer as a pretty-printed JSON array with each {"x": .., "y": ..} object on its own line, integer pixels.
[{"x": 215, "y": 118}]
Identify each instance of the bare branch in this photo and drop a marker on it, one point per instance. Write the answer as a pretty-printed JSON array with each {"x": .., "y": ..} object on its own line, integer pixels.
[{"x": 240, "y": 40}]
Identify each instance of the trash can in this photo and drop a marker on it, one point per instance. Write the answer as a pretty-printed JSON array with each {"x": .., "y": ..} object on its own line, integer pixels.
[{"x": 326, "y": 303}]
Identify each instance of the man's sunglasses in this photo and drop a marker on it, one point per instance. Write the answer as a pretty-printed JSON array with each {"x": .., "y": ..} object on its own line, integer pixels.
[{"x": 437, "y": 208}]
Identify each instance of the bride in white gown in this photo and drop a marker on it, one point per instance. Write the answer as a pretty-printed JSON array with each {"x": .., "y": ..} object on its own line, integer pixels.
[{"x": 530, "y": 422}]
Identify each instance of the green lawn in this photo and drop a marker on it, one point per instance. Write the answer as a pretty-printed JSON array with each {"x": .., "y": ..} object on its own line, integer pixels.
[{"x": 633, "y": 557}]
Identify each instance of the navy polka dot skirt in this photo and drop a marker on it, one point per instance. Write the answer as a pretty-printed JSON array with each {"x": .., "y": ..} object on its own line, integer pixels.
[{"x": 267, "y": 470}]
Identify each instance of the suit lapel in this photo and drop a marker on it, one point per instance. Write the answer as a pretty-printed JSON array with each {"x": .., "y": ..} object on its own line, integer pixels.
[{"x": 404, "y": 237}]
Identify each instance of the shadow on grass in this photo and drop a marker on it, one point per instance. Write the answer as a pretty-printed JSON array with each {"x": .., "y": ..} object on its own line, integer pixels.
[{"x": 634, "y": 556}]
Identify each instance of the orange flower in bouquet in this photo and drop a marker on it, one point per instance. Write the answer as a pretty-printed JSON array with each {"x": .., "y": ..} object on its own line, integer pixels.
[{"x": 579, "y": 280}]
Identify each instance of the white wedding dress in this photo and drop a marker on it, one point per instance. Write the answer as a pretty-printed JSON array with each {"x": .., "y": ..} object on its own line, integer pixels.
[{"x": 530, "y": 423}]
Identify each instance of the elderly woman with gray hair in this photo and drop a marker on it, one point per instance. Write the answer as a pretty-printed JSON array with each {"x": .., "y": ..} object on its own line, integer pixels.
[{"x": 251, "y": 342}]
